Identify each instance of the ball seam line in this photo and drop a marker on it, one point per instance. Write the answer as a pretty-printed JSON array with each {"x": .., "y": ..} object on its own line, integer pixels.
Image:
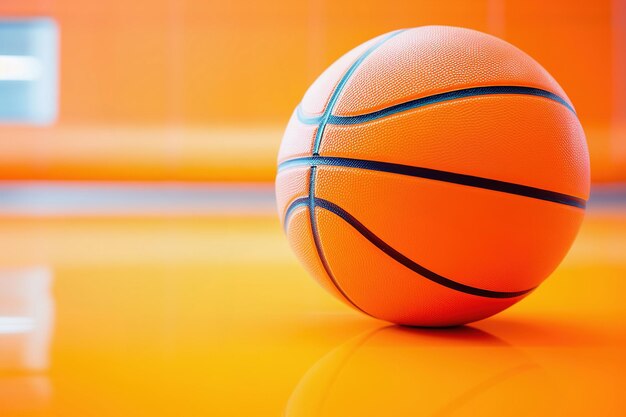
[
  {"x": 394, "y": 254},
  {"x": 315, "y": 152},
  {"x": 332, "y": 101},
  {"x": 428, "y": 100},
  {"x": 438, "y": 175},
  {"x": 312, "y": 202}
]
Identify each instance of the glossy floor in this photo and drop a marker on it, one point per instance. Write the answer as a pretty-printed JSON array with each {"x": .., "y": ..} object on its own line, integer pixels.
[{"x": 212, "y": 316}]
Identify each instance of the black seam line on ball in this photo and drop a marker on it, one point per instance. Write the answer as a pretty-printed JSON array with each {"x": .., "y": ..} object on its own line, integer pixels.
[
  {"x": 436, "y": 98},
  {"x": 322, "y": 121},
  {"x": 332, "y": 101},
  {"x": 437, "y": 175},
  {"x": 318, "y": 244},
  {"x": 414, "y": 266},
  {"x": 299, "y": 202}
]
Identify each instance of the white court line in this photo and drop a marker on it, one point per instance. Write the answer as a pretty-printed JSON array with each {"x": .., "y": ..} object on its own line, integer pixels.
[
  {"x": 19, "y": 68},
  {"x": 78, "y": 198},
  {"x": 12, "y": 325}
]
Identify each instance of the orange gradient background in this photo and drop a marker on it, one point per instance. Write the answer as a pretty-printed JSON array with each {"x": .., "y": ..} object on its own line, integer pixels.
[
  {"x": 201, "y": 90},
  {"x": 170, "y": 306}
]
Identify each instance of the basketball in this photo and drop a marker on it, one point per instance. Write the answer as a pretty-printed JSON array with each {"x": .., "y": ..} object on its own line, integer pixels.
[{"x": 432, "y": 176}]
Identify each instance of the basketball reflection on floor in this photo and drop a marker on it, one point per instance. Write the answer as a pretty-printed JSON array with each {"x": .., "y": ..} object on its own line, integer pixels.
[{"x": 399, "y": 371}]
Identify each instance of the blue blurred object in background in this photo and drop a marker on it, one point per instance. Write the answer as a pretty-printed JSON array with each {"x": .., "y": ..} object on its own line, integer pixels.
[{"x": 28, "y": 71}]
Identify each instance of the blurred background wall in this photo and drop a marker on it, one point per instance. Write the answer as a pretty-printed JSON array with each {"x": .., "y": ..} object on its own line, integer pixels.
[{"x": 200, "y": 90}]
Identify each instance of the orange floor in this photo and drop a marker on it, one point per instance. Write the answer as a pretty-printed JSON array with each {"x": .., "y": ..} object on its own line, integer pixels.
[{"x": 212, "y": 316}]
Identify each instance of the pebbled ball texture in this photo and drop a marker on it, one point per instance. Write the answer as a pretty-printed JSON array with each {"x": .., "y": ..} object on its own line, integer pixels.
[{"x": 432, "y": 176}]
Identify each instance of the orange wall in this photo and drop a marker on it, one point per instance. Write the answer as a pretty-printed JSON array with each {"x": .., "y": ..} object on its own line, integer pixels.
[{"x": 244, "y": 63}]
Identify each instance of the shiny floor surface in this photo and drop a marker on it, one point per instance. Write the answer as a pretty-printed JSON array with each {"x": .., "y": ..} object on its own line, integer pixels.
[{"x": 213, "y": 316}]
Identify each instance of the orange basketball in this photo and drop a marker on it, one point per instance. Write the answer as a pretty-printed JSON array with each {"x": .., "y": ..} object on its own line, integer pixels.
[{"x": 433, "y": 176}]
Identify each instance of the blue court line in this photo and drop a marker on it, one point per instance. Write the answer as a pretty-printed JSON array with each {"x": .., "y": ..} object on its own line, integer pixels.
[
  {"x": 437, "y": 175},
  {"x": 436, "y": 98},
  {"x": 394, "y": 254}
]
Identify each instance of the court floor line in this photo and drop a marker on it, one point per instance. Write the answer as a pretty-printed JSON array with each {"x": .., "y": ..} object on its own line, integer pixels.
[
  {"x": 59, "y": 198},
  {"x": 86, "y": 198}
]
